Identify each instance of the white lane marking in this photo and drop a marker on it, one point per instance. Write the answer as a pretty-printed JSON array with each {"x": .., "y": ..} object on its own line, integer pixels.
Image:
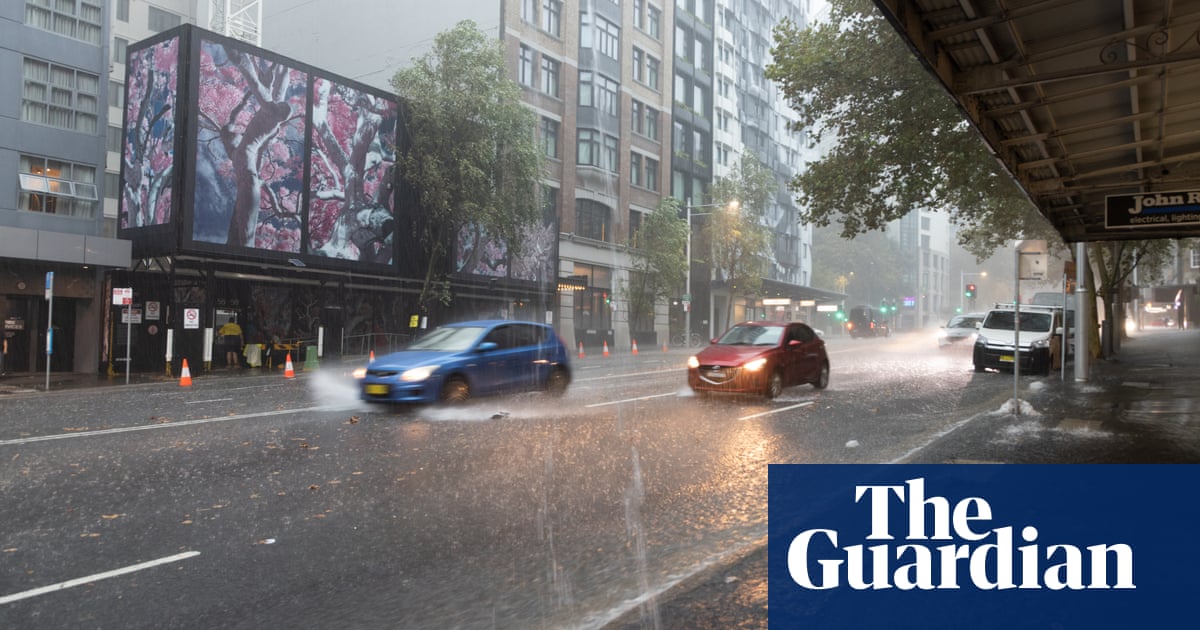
[
  {"x": 767, "y": 413},
  {"x": 618, "y": 402},
  {"x": 7, "y": 599},
  {"x": 628, "y": 375},
  {"x": 934, "y": 438},
  {"x": 197, "y": 402},
  {"x": 168, "y": 425}
]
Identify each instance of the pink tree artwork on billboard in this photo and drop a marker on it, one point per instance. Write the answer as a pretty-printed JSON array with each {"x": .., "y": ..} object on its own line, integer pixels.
[
  {"x": 350, "y": 208},
  {"x": 249, "y": 150},
  {"x": 149, "y": 141}
]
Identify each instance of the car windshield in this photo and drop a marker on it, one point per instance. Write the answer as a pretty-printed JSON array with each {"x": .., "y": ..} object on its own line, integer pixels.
[
  {"x": 448, "y": 339},
  {"x": 1005, "y": 320},
  {"x": 752, "y": 336},
  {"x": 963, "y": 322}
]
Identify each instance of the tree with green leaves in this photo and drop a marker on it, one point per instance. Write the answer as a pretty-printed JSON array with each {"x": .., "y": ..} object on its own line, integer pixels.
[
  {"x": 473, "y": 160},
  {"x": 740, "y": 241},
  {"x": 898, "y": 142},
  {"x": 658, "y": 266}
]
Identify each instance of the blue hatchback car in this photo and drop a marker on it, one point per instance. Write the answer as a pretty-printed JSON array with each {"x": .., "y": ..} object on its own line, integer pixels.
[{"x": 457, "y": 361}]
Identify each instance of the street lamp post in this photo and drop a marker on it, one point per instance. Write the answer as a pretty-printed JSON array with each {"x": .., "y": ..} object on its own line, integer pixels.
[
  {"x": 687, "y": 282},
  {"x": 962, "y": 287}
]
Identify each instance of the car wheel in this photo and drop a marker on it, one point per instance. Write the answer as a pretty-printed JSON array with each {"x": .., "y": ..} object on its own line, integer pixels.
[
  {"x": 556, "y": 383},
  {"x": 822, "y": 377},
  {"x": 979, "y": 368},
  {"x": 774, "y": 385},
  {"x": 456, "y": 390}
]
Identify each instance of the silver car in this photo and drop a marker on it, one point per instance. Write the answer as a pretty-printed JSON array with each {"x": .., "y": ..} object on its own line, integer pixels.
[{"x": 960, "y": 328}]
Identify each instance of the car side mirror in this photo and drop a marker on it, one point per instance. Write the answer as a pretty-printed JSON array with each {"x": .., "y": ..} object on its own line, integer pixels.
[
  {"x": 1058, "y": 331},
  {"x": 792, "y": 343},
  {"x": 487, "y": 346}
]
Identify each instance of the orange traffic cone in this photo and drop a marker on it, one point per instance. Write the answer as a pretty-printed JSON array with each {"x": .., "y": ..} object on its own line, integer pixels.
[
  {"x": 635, "y": 347},
  {"x": 665, "y": 349},
  {"x": 371, "y": 359},
  {"x": 606, "y": 348},
  {"x": 288, "y": 370},
  {"x": 580, "y": 349},
  {"x": 185, "y": 376}
]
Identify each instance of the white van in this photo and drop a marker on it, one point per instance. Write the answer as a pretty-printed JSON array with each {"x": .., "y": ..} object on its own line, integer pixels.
[{"x": 1041, "y": 330}]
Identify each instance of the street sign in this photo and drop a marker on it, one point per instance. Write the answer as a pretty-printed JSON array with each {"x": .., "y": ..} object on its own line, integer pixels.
[
  {"x": 1152, "y": 210},
  {"x": 49, "y": 285},
  {"x": 122, "y": 296},
  {"x": 191, "y": 318}
]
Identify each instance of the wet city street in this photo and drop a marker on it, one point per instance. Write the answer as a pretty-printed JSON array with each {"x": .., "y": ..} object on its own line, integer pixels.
[{"x": 251, "y": 500}]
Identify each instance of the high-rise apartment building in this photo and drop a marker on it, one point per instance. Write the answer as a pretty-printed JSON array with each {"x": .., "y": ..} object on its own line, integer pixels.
[{"x": 55, "y": 238}]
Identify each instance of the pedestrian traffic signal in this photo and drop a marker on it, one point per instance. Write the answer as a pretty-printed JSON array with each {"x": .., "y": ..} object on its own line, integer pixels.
[{"x": 970, "y": 291}]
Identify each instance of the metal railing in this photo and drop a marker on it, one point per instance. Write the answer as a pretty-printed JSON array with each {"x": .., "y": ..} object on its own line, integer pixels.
[{"x": 380, "y": 343}]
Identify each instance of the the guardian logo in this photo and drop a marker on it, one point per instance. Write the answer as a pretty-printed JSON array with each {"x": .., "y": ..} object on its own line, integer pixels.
[{"x": 947, "y": 546}]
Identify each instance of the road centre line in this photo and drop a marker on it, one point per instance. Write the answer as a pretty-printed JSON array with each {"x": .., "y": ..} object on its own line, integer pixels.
[
  {"x": 627, "y": 375},
  {"x": 767, "y": 413},
  {"x": 168, "y": 425},
  {"x": 618, "y": 402},
  {"x": 197, "y": 402},
  {"x": 8, "y": 599}
]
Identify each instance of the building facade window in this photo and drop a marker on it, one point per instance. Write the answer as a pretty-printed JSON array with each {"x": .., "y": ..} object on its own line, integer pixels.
[
  {"x": 112, "y": 184},
  {"x": 652, "y": 123},
  {"x": 610, "y": 158},
  {"x": 123, "y": 10},
  {"x": 525, "y": 66},
  {"x": 120, "y": 47},
  {"x": 635, "y": 226},
  {"x": 57, "y": 187},
  {"x": 112, "y": 139},
  {"x": 651, "y": 177},
  {"x": 160, "y": 20},
  {"x": 550, "y": 71},
  {"x": 592, "y": 219},
  {"x": 600, "y": 92},
  {"x": 639, "y": 73},
  {"x": 552, "y": 17},
  {"x": 1195, "y": 258},
  {"x": 637, "y": 121},
  {"x": 600, "y": 34},
  {"x": 635, "y": 168},
  {"x": 587, "y": 152},
  {"x": 116, "y": 94},
  {"x": 59, "y": 96},
  {"x": 549, "y": 137},
  {"x": 639, "y": 10},
  {"x": 654, "y": 21},
  {"x": 652, "y": 66},
  {"x": 529, "y": 11},
  {"x": 70, "y": 18}
]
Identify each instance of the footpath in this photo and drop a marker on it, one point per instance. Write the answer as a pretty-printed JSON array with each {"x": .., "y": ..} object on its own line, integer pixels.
[{"x": 1139, "y": 406}]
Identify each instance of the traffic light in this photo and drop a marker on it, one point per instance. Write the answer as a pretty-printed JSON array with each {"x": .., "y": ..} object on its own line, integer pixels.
[{"x": 970, "y": 291}]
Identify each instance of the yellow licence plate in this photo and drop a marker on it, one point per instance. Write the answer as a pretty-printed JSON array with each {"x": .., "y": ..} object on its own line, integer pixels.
[
  {"x": 1004, "y": 358},
  {"x": 376, "y": 389}
]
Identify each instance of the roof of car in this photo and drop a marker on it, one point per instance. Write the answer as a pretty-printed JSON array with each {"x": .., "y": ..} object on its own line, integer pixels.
[{"x": 485, "y": 323}]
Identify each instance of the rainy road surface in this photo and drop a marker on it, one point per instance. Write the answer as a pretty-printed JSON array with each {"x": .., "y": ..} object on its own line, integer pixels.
[{"x": 265, "y": 502}]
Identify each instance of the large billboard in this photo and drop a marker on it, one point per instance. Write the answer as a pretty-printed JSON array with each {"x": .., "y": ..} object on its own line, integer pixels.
[
  {"x": 149, "y": 135},
  {"x": 283, "y": 161}
]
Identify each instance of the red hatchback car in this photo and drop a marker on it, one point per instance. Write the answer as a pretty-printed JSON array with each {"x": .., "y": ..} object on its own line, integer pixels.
[{"x": 760, "y": 358}]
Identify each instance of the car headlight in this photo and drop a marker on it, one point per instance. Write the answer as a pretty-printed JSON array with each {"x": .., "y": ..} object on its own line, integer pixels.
[
  {"x": 1041, "y": 343},
  {"x": 755, "y": 365},
  {"x": 418, "y": 374},
  {"x": 359, "y": 373},
  {"x": 693, "y": 362}
]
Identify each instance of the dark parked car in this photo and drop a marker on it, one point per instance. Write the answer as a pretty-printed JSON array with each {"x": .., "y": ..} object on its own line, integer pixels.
[
  {"x": 866, "y": 321},
  {"x": 760, "y": 358},
  {"x": 458, "y": 361}
]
